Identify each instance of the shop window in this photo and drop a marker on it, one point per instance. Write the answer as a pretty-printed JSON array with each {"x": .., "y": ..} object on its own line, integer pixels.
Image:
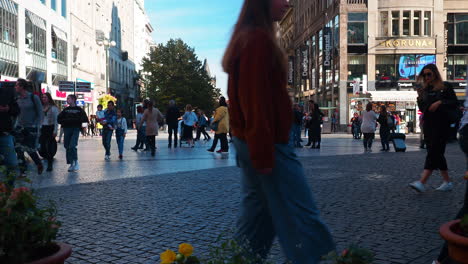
[
  {"x": 457, "y": 66},
  {"x": 406, "y": 23},
  {"x": 458, "y": 29},
  {"x": 357, "y": 28},
  {"x": 427, "y": 23},
  {"x": 417, "y": 23},
  {"x": 409, "y": 66},
  {"x": 384, "y": 23},
  {"x": 395, "y": 23},
  {"x": 385, "y": 67},
  {"x": 357, "y": 66}
]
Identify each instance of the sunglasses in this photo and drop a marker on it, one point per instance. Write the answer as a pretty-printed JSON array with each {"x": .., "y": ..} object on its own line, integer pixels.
[{"x": 429, "y": 74}]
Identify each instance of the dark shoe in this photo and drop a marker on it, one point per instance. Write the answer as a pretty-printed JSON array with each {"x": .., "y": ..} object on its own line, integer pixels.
[
  {"x": 153, "y": 154},
  {"x": 146, "y": 149},
  {"x": 219, "y": 151},
  {"x": 120, "y": 157},
  {"x": 40, "y": 169},
  {"x": 318, "y": 146},
  {"x": 210, "y": 150},
  {"x": 175, "y": 146},
  {"x": 308, "y": 145},
  {"x": 169, "y": 146},
  {"x": 134, "y": 148},
  {"x": 50, "y": 166}
]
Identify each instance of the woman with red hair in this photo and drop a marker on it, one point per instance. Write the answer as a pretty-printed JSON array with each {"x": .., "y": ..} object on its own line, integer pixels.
[{"x": 276, "y": 199}]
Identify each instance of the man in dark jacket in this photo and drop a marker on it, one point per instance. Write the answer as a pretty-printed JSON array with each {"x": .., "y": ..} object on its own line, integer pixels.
[
  {"x": 9, "y": 110},
  {"x": 172, "y": 119},
  {"x": 71, "y": 119}
]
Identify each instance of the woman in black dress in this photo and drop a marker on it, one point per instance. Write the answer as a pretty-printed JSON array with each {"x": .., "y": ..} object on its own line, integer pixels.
[{"x": 314, "y": 123}]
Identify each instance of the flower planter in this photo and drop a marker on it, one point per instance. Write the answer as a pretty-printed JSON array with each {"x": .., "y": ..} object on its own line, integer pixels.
[
  {"x": 58, "y": 257},
  {"x": 457, "y": 244}
]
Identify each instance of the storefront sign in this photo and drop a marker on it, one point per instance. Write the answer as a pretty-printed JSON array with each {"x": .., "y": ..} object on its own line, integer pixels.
[
  {"x": 405, "y": 84},
  {"x": 408, "y": 43},
  {"x": 305, "y": 62},
  {"x": 291, "y": 70},
  {"x": 327, "y": 42},
  {"x": 445, "y": 46}
]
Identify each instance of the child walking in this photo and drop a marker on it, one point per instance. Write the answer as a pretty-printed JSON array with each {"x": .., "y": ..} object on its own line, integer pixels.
[{"x": 120, "y": 131}]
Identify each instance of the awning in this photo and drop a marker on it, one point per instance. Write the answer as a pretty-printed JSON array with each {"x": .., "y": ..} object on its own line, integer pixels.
[
  {"x": 394, "y": 96},
  {"x": 9, "y": 6},
  {"x": 35, "y": 19},
  {"x": 60, "y": 34}
]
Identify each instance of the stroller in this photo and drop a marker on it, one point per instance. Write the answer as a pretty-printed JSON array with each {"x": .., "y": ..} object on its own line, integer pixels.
[{"x": 182, "y": 140}]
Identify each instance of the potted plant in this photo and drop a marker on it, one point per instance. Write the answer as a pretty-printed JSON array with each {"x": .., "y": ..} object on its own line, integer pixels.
[
  {"x": 456, "y": 234},
  {"x": 183, "y": 257},
  {"x": 27, "y": 232},
  {"x": 351, "y": 255}
]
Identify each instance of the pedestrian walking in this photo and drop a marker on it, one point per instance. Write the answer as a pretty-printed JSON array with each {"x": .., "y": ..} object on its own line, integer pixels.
[
  {"x": 28, "y": 126},
  {"x": 152, "y": 116},
  {"x": 314, "y": 125},
  {"x": 220, "y": 125},
  {"x": 276, "y": 199},
  {"x": 463, "y": 140},
  {"x": 141, "y": 129},
  {"x": 48, "y": 145},
  {"x": 92, "y": 126},
  {"x": 99, "y": 118},
  {"x": 356, "y": 126},
  {"x": 9, "y": 110},
  {"x": 386, "y": 122},
  {"x": 189, "y": 118},
  {"x": 438, "y": 102},
  {"x": 202, "y": 123},
  {"x": 108, "y": 124},
  {"x": 368, "y": 126},
  {"x": 172, "y": 121},
  {"x": 72, "y": 119},
  {"x": 120, "y": 131},
  {"x": 296, "y": 127}
]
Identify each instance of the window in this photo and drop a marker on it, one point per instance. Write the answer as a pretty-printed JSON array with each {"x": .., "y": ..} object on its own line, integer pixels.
[
  {"x": 406, "y": 23},
  {"x": 43, "y": 1},
  {"x": 8, "y": 26},
  {"x": 395, "y": 23},
  {"x": 384, "y": 23},
  {"x": 456, "y": 69},
  {"x": 53, "y": 4},
  {"x": 417, "y": 23},
  {"x": 357, "y": 28},
  {"x": 357, "y": 66},
  {"x": 64, "y": 8},
  {"x": 59, "y": 45},
  {"x": 35, "y": 33},
  {"x": 458, "y": 29},
  {"x": 427, "y": 23}
]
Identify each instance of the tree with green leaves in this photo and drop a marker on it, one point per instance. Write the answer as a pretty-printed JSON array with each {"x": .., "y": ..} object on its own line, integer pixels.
[{"x": 177, "y": 74}]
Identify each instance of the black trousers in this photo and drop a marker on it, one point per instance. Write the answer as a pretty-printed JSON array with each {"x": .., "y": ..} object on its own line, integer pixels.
[
  {"x": 368, "y": 139},
  {"x": 436, "y": 141},
  {"x": 224, "y": 142},
  {"x": 48, "y": 143},
  {"x": 151, "y": 141},
  {"x": 463, "y": 140},
  {"x": 172, "y": 128},
  {"x": 202, "y": 130}
]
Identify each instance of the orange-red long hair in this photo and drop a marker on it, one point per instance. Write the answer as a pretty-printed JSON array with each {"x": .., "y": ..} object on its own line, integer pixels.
[{"x": 255, "y": 14}]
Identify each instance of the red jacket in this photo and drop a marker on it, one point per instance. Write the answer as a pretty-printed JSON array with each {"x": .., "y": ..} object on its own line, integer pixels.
[{"x": 259, "y": 106}]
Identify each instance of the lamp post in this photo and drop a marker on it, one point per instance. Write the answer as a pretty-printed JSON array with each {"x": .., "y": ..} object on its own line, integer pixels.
[{"x": 107, "y": 45}]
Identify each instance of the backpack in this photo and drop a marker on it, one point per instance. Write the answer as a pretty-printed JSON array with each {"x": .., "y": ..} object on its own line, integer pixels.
[{"x": 390, "y": 121}]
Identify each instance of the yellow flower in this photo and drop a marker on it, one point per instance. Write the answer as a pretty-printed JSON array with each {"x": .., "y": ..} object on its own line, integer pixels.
[
  {"x": 168, "y": 257},
  {"x": 186, "y": 249}
]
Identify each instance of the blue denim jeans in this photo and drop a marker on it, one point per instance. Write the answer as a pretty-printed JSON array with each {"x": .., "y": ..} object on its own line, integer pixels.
[
  {"x": 106, "y": 140},
  {"x": 295, "y": 135},
  {"x": 7, "y": 151},
  {"x": 70, "y": 142},
  {"x": 119, "y": 136},
  {"x": 280, "y": 204}
]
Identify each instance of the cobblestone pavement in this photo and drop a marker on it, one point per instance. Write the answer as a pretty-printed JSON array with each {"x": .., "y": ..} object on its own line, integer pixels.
[{"x": 132, "y": 218}]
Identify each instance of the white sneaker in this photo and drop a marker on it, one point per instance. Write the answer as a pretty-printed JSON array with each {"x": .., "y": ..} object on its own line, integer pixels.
[
  {"x": 77, "y": 166},
  {"x": 72, "y": 166},
  {"x": 418, "y": 186},
  {"x": 445, "y": 187}
]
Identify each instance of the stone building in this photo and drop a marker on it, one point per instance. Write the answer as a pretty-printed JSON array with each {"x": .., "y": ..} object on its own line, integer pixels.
[{"x": 349, "y": 52}]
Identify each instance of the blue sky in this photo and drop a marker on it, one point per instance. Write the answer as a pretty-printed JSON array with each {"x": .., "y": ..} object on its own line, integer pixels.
[{"x": 205, "y": 25}]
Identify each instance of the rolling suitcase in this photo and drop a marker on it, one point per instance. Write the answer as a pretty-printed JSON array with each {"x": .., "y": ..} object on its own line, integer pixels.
[{"x": 398, "y": 140}]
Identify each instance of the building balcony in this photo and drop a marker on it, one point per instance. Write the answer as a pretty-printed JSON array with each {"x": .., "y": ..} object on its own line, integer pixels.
[{"x": 357, "y": 4}]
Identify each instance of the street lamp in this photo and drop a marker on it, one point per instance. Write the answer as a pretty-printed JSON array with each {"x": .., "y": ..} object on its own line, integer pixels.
[{"x": 107, "y": 45}]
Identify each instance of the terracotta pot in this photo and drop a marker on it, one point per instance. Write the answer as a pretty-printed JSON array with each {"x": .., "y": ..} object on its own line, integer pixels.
[
  {"x": 457, "y": 244},
  {"x": 58, "y": 258}
]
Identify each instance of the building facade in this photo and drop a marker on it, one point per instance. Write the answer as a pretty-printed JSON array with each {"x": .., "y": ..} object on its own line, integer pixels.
[
  {"x": 34, "y": 42},
  {"x": 349, "y": 52}
]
